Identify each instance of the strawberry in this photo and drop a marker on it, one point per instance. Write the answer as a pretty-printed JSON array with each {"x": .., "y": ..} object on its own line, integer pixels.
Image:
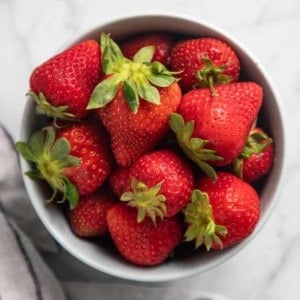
[
  {"x": 161, "y": 41},
  {"x": 133, "y": 135},
  {"x": 74, "y": 159},
  {"x": 142, "y": 243},
  {"x": 221, "y": 212},
  {"x": 62, "y": 85},
  {"x": 205, "y": 62},
  {"x": 135, "y": 101},
  {"x": 257, "y": 157},
  {"x": 119, "y": 180},
  {"x": 161, "y": 184},
  {"x": 88, "y": 218},
  {"x": 212, "y": 130}
]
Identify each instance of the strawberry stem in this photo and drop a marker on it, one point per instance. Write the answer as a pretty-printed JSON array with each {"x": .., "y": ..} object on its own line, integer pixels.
[
  {"x": 210, "y": 75},
  {"x": 146, "y": 200}
]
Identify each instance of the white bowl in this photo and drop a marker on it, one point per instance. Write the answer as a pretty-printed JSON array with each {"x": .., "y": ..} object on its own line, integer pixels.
[{"x": 104, "y": 258}]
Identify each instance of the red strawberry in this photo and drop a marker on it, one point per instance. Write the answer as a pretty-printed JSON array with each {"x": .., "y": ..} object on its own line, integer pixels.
[
  {"x": 133, "y": 135},
  {"x": 161, "y": 184},
  {"x": 161, "y": 41},
  {"x": 222, "y": 212},
  {"x": 257, "y": 157},
  {"x": 214, "y": 129},
  {"x": 204, "y": 61},
  {"x": 142, "y": 243},
  {"x": 134, "y": 102},
  {"x": 88, "y": 218},
  {"x": 119, "y": 180},
  {"x": 74, "y": 159},
  {"x": 62, "y": 86}
]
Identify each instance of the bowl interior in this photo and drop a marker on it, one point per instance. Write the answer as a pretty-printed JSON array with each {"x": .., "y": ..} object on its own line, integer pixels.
[{"x": 103, "y": 257}]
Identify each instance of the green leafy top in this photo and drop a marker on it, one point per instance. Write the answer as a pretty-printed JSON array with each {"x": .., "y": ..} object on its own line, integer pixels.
[
  {"x": 50, "y": 157},
  {"x": 43, "y": 107},
  {"x": 210, "y": 75},
  {"x": 193, "y": 147},
  {"x": 201, "y": 225},
  {"x": 146, "y": 200},
  {"x": 139, "y": 77}
]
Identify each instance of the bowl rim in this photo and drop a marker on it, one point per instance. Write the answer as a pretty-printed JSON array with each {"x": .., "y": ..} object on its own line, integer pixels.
[{"x": 153, "y": 276}]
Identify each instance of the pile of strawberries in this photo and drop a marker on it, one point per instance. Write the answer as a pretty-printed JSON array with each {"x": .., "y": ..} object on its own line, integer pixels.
[{"x": 153, "y": 142}]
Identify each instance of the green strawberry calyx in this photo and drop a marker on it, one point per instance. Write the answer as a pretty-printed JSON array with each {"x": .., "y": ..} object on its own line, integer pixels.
[
  {"x": 139, "y": 77},
  {"x": 147, "y": 200},
  {"x": 194, "y": 148},
  {"x": 256, "y": 143},
  {"x": 210, "y": 75},
  {"x": 50, "y": 156},
  {"x": 43, "y": 107},
  {"x": 202, "y": 228}
]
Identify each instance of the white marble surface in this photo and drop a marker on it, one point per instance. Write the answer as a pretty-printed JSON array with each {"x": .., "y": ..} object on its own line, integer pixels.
[{"x": 31, "y": 31}]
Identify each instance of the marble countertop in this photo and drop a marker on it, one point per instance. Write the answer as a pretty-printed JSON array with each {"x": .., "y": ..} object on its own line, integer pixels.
[{"x": 31, "y": 31}]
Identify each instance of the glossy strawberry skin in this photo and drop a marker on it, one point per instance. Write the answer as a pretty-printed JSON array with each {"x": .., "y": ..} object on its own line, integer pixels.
[
  {"x": 133, "y": 135},
  {"x": 68, "y": 78},
  {"x": 175, "y": 174},
  {"x": 88, "y": 218},
  {"x": 119, "y": 180},
  {"x": 235, "y": 204},
  {"x": 186, "y": 56},
  {"x": 224, "y": 119},
  {"x": 258, "y": 165},
  {"x": 162, "y": 42},
  {"x": 143, "y": 243},
  {"x": 89, "y": 142}
]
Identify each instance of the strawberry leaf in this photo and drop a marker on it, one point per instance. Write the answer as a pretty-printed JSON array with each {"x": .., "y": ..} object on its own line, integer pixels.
[
  {"x": 111, "y": 54},
  {"x": 144, "y": 55},
  {"x": 25, "y": 150},
  {"x": 36, "y": 142},
  {"x": 161, "y": 80},
  {"x": 187, "y": 131},
  {"x": 159, "y": 68},
  {"x": 104, "y": 92},
  {"x": 71, "y": 193},
  {"x": 176, "y": 122},
  {"x": 34, "y": 174},
  {"x": 148, "y": 92},
  {"x": 61, "y": 148},
  {"x": 131, "y": 95}
]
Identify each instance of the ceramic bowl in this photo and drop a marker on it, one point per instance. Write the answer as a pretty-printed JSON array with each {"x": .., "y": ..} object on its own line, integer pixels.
[{"x": 103, "y": 257}]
